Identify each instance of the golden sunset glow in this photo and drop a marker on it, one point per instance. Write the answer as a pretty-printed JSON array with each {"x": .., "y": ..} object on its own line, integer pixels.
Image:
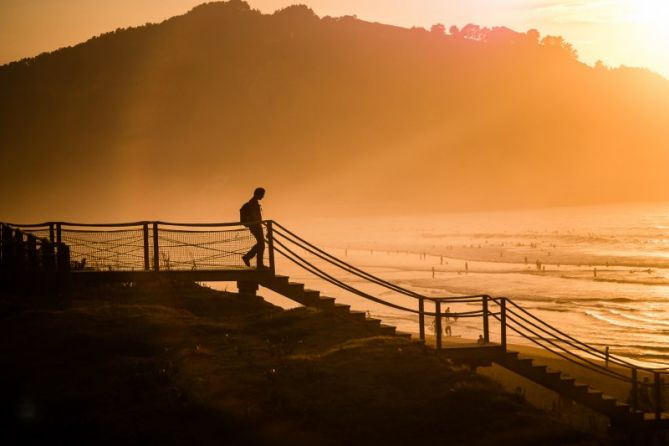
[
  {"x": 334, "y": 222},
  {"x": 652, "y": 19}
]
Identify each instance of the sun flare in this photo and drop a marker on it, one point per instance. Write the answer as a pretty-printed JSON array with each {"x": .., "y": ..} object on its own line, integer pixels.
[{"x": 652, "y": 16}]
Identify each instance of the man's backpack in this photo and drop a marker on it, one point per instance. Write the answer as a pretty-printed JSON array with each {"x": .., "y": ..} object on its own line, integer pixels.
[{"x": 245, "y": 214}]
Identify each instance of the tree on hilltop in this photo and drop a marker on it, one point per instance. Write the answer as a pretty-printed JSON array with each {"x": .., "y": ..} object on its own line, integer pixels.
[
  {"x": 438, "y": 29},
  {"x": 559, "y": 45}
]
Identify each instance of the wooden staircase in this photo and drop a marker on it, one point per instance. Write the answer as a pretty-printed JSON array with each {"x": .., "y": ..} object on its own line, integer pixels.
[
  {"x": 312, "y": 298},
  {"x": 619, "y": 413}
]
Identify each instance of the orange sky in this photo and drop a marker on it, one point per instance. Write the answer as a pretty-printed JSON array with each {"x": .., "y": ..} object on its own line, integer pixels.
[{"x": 630, "y": 32}]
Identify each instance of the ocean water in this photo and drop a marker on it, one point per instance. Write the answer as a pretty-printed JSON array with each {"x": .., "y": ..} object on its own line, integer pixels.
[{"x": 600, "y": 274}]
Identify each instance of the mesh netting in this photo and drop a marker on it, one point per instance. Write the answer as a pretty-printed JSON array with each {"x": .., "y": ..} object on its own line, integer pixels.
[
  {"x": 197, "y": 250},
  {"x": 111, "y": 250},
  {"x": 179, "y": 248}
]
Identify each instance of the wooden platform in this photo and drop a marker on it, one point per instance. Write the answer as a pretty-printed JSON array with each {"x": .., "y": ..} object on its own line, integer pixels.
[{"x": 223, "y": 275}]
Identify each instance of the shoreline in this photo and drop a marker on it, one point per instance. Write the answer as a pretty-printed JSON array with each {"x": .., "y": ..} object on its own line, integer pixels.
[{"x": 621, "y": 308}]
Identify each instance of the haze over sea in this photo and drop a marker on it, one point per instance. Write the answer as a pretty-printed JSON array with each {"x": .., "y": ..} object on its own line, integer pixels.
[{"x": 545, "y": 260}]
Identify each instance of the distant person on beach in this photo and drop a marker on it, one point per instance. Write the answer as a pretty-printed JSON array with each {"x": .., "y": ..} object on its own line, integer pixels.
[{"x": 250, "y": 215}]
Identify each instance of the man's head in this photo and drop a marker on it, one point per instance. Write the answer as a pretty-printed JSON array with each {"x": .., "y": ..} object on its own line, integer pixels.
[{"x": 259, "y": 193}]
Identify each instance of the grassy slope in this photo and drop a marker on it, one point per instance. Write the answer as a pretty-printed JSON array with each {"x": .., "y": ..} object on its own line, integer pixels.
[{"x": 180, "y": 364}]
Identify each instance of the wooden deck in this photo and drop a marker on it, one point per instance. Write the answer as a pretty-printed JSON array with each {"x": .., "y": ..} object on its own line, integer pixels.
[{"x": 240, "y": 274}]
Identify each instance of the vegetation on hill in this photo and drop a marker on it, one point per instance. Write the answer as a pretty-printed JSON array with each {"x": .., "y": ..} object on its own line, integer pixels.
[
  {"x": 174, "y": 116},
  {"x": 169, "y": 363}
]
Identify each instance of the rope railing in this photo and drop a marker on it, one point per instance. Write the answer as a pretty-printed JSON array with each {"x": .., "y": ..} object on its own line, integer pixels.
[
  {"x": 512, "y": 316},
  {"x": 559, "y": 350},
  {"x": 303, "y": 263},
  {"x": 291, "y": 255},
  {"x": 323, "y": 255},
  {"x": 308, "y": 247},
  {"x": 283, "y": 236},
  {"x": 137, "y": 246},
  {"x": 295, "y": 239},
  {"x": 560, "y": 336},
  {"x": 580, "y": 345}
]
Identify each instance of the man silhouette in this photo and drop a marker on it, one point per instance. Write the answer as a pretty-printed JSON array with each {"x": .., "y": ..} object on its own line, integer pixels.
[{"x": 251, "y": 216}]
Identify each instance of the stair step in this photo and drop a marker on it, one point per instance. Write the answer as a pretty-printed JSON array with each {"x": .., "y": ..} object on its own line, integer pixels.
[
  {"x": 554, "y": 376},
  {"x": 375, "y": 322},
  {"x": 281, "y": 279},
  {"x": 580, "y": 386},
  {"x": 570, "y": 388},
  {"x": 359, "y": 314},
  {"x": 387, "y": 329},
  {"x": 311, "y": 296},
  {"x": 596, "y": 392},
  {"x": 296, "y": 285},
  {"x": 403, "y": 334},
  {"x": 326, "y": 301},
  {"x": 342, "y": 307}
]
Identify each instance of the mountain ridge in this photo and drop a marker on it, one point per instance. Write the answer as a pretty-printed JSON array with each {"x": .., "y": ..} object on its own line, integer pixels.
[{"x": 167, "y": 118}]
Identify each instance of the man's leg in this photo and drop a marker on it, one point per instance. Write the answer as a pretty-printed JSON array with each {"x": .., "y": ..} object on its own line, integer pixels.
[
  {"x": 249, "y": 255},
  {"x": 259, "y": 248},
  {"x": 254, "y": 250},
  {"x": 261, "y": 252}
]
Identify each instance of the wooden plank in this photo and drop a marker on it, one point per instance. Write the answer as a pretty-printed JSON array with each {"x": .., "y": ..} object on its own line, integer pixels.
[{"x": 250, "y": 275}]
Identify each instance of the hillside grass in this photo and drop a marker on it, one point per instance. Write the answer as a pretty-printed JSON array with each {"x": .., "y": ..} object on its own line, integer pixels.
[{"x": 169, "y": 363}]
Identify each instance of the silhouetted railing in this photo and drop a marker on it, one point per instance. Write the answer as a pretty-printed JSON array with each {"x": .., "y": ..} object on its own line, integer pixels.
[
  {"x": 135, "y": 246},
  {"x": 31, "y": 251},
  {"x": 510, "y": 315}
]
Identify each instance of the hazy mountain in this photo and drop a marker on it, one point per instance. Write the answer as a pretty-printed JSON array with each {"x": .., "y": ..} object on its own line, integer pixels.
[{"x": 182, "y": 119}]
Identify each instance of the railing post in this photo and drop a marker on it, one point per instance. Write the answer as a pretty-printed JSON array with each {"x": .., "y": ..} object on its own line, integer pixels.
[
  {"x": 437, "y": 323},
  {"x": 48, "y": 254},
  {"x": 147, "y": 264},
  {"x": 31, "y": 246},
  {"x": 270, "y": 242},
  {"x": 486, "y": 326},
  {"x": 2, "y": 247},
  {"x": 421, "y": 318},
  {"x": 62, "y": 254},
  {"x": 63, "y": 258},
  {"x": 7, "y": 248},
  {"x": 635, "y": 390},
  {"x": 52, "y": 237},
  {"x": 658, "y": 396},
  {"x": 502, "y": 306},
  {"x": 19, "y": 252},
  {"x": 156, "y": 249}
]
